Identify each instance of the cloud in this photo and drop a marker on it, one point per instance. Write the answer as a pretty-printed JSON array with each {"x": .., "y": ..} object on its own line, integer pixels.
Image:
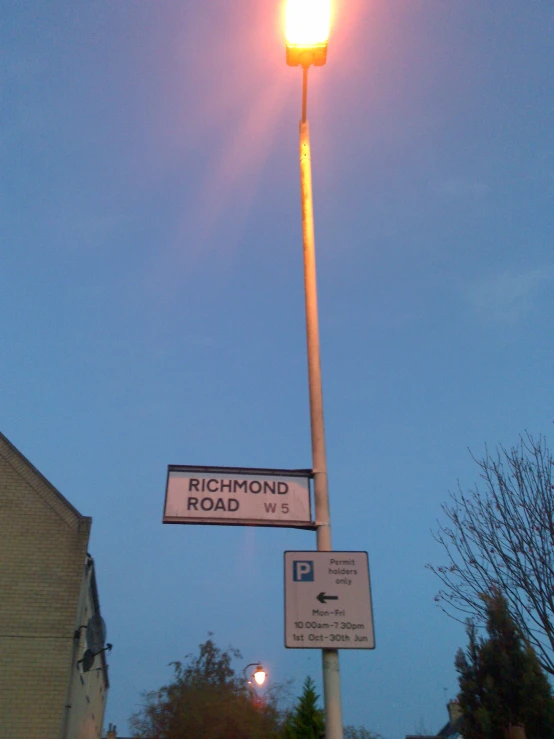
[{"x": 508, "y": 297}]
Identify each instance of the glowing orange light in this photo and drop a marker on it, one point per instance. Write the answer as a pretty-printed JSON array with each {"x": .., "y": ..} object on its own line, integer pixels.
[
  {"x": 307, "y": 22},
  {"x": 260, "y": 675}
]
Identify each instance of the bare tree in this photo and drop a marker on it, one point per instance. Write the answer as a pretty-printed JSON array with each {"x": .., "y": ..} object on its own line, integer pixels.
[
  {"x": 421, "y": 729},
  {"x": 501, "y": 536},
  {"x": 359, "y": 732}
]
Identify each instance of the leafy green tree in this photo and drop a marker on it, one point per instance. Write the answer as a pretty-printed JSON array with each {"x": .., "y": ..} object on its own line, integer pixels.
[
  {"x": 501, "y": 680},
  {"x": 306, "y": 721},
  {"x": 206, "y": 700}
]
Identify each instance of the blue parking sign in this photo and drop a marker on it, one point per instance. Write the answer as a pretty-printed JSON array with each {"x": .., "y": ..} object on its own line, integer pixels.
[{"x": 302, "y": 570}]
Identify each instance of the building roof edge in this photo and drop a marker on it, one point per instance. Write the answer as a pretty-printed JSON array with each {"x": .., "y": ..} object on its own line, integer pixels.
[{"x": 30, "y": 466}]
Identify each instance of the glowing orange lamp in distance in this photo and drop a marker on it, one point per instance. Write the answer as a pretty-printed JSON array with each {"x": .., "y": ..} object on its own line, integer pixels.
[
  {"x": 307, "y": 24},
  {"x": 260, "y": 675}
]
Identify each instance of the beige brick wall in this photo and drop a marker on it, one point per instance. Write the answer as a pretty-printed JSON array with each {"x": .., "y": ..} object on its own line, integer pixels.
[
  {"x": 43, "y": 546},
  {"x": 88, "y": 690},
  {"x": 88, "y": 700}
]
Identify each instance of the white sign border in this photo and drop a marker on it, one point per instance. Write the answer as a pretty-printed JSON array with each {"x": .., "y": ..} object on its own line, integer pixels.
[{"x": 258, "y": 471}]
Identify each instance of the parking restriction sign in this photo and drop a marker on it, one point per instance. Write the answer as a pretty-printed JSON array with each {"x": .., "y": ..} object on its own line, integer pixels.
[{"x": 328, "y": 601}]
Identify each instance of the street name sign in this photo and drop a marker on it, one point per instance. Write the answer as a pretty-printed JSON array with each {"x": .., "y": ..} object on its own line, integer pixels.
[
  {"x": 238, "y": 496},
  {"x": 328, "y": 601}
]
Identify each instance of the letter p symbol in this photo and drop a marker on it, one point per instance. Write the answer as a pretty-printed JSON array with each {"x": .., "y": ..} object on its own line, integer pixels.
[{"x": 302, "y": 571}]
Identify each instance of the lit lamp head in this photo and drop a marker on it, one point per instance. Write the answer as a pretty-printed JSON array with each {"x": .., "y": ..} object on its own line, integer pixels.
[
  {"x": 260, "y": 675},
  {"x": 307, "y": 24}
]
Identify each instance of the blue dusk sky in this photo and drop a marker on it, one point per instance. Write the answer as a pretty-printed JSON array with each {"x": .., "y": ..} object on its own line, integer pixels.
[{"x": 151, "y": 294}]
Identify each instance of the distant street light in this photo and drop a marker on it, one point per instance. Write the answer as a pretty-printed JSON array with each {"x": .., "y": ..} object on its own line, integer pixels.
[
  {"x": 259, "y": 674},
  {"x": 307, "y": 34}
]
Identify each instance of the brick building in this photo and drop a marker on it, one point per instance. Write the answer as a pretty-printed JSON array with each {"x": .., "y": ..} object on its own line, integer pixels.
[{"x": 48, "y": 593}]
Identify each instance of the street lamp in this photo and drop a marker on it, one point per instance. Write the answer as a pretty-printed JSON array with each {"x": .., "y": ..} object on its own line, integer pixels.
[
  {"x": 307, "y": 31},
  {"x": 307, "y": 34},
  {"x": 259, "y": 674}
]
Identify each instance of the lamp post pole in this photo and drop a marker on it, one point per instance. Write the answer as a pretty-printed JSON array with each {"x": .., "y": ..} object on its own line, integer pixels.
[
  {"x": 307, "y": 32},
  {"x": 330, "y": 657}
]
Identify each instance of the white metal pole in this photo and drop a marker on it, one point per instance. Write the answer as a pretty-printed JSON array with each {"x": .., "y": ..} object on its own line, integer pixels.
[{"x": 330, "y": 657}]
